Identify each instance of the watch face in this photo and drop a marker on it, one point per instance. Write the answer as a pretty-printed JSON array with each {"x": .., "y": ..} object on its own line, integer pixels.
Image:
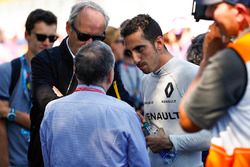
[{"x": 11, "y": 116}]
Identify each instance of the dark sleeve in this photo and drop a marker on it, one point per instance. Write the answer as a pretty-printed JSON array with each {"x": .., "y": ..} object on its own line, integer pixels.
[
  {"x": 42, "y": 80},
  {"x": 42, "y": 94},
  {"x": 222, "y": 85},
  {"x": 121, "y": 91}
]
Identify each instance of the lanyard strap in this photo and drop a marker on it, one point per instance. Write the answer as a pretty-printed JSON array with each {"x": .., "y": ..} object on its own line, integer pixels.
[
  {"x": 89, "y": 89},
  {"x": 26, "y": 79}
]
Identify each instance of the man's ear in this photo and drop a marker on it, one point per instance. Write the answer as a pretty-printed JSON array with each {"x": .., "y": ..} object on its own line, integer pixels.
[
  {"x": 242, "y": 15},
  {"x": 68, "y": 27},
  {"x": 159, "y": 43},
  {"x": 110, "y": 76},
  {"x": 26, "y": 35}
]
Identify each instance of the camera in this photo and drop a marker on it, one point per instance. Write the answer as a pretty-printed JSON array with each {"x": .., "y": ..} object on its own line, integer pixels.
[{"x": 198, "y": 11}]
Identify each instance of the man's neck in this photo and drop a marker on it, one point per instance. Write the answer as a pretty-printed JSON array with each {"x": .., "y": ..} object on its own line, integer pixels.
[
  {"x": 163, "y": 60},
  {"x": 29, "y": 56},
  {"x": 102, "y": 85}
]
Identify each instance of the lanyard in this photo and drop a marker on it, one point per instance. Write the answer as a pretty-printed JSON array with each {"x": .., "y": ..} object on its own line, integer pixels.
[
  {"x": 26, "y": 79},
  {"x": 26, "y": 84},
  {"x": 89, "y": 89}
]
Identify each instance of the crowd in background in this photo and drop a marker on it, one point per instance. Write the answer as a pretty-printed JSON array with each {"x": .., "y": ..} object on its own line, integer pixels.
[
  {"x": 147, "y": 97},
  {"x": 177, "y": 39},
  {"x": 126, "y": 75}
]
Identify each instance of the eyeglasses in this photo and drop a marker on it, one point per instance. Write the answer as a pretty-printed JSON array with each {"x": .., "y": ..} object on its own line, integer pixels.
[
  {"x": 84, "y": 37},
  {"x": 43, "y": 37}
]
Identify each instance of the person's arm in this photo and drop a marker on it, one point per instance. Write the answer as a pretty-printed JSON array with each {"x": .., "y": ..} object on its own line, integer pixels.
[
  {"x": 198, "y": 141},
  {"x": 137, "y": 152},
  {"x": 22, "y": 118},
  {"x": 210, "y": 96},
  {"x": 42, "y": 80},
  {"x": 186, "y": 123},
  {"x": 159, "y": 142},
  {"x": 211, "y": 45},
  {"x": 44, "y": 144},
  {"x": 185, "y": 142},
  {"x": 4, "y": 158},
  {"x": 44, "y": 135}
]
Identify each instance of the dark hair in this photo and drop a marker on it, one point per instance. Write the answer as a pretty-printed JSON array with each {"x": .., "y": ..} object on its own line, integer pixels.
[
  {"x": 37, "y": 16},
  {"x": 144, "y": 22},
  {"x": 93, "y": 62},
  {"x": 195, "y": 52},
  {"x": 124, "y": 23}
]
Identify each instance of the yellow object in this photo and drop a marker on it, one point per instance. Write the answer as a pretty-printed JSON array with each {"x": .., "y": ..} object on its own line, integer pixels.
[{"x": 116, "y": 90}]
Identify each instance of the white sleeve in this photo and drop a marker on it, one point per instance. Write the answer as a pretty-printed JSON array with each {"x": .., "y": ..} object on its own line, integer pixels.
[
  {"x": 198, "y": 141},
  {"x": 143, "y": 84}
]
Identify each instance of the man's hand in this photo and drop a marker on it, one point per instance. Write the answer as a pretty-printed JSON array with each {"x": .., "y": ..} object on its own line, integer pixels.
[
  {"x": 22, "y": 118},
  {"x": 139, "y": 113},
  {"x": 213, "y": 42},
  {"x": 159, "y": 142},
  {"x": 57, "y": 92}
]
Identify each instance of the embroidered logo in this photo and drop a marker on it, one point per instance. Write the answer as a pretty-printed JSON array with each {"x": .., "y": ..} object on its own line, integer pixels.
[{"x": 169, "y": 89}]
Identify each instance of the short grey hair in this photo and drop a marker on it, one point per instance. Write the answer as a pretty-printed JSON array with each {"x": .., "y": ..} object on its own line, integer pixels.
[
  {"x": 93, "y": 62},
  {"x": 76, "y": 9}
]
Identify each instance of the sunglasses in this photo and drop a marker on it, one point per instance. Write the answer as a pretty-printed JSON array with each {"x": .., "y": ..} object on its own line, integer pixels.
[
  {"x": 43, "y": 37},
  {"x": 84, "y": 37}
]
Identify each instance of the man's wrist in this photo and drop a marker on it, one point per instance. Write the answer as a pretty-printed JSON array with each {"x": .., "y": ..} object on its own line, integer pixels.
[
  {"x": 4, "y": 113},
  {"x": 168, "y": 143},
  {"x": 11, "y": 116}
]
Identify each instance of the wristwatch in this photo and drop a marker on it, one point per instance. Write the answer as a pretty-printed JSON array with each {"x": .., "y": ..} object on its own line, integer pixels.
[{"x": 12, "y": 114}]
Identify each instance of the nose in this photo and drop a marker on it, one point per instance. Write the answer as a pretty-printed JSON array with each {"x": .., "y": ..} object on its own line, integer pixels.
[
  {"x": 46, "y": 42},
  {"x": 136, "y": 58},
  {"x": 90, "y": 40}
]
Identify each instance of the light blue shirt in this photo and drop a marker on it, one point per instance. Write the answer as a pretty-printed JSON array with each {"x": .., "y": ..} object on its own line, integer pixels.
[
  {"x": 131, "y": 77},
  {"x": 89, "y": 128}
]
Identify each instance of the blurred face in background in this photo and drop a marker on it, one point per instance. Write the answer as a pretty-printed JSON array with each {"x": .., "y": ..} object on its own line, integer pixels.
[
  {"x": 117, "y": 47},
  {"x": 115, "y": 41},
  {"x": 42, "y": 36}
]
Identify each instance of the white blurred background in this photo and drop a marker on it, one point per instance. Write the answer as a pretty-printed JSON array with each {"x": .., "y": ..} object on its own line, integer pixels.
[{"x": 13, "y": 14}]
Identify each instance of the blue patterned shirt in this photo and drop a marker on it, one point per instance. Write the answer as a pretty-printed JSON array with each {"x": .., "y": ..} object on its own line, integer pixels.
[{"x": 89, "y": 128}]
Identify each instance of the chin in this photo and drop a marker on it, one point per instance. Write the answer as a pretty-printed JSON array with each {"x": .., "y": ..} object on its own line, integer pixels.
[{"x": 146, "y": 72}]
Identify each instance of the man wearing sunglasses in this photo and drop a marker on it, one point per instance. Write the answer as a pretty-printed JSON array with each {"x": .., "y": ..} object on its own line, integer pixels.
[
  {"x": 53, "y": 69},
  {"x": 15, "y": 103}
]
